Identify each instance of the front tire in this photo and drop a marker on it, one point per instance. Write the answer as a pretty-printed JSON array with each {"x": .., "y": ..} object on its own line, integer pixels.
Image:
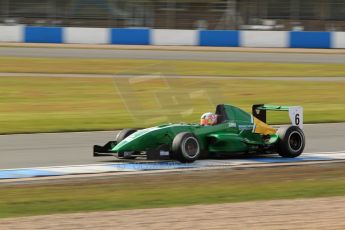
[
  {"x": 123, "y": 134},
  {"x": 120, "y": 137},
  {"x": 185, "y": 147},
  {"x": 291, "y": 141}
]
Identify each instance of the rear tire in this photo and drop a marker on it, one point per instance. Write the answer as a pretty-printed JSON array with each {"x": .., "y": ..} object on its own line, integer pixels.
[
  {"x": 185, "y": 147},
  {"x": 121, "y": 136},
  {"x": 291, "y": 141}
]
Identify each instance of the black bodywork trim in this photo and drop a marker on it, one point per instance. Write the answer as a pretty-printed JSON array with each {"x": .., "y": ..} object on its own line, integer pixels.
[
  {"x": 259, "y": 113},
  {"x": 100, "y": 151},
  {"x": 222, "y": 116}
]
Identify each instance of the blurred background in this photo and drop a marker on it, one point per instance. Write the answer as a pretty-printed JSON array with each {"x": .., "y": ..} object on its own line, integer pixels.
[
  {"x": 67, "y": 72},
  {"x": 167, "y": 93},
  {"x": 309, "y": 15}
]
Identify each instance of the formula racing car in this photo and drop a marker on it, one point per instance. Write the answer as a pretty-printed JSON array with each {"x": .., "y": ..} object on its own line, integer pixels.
[{"x": 233, "y": 132}]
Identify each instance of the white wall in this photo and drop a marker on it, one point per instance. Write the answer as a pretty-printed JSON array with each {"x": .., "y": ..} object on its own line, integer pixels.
[
  {"x": 338, "y": 40},
  {"x": 11, "y": 34},
  {"x": 86, "y": 35},
  {"x": 264, "y": 39},
  {"x": 174, "y": 37}
]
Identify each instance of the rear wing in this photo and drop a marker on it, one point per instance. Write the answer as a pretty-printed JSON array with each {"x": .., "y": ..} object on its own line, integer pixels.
[{"x": 295, "y": 112}]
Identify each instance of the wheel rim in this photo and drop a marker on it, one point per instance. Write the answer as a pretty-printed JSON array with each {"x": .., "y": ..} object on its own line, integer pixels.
[
  {"x": 295, "y": 141},
  {"x": 190, "y": 147}
]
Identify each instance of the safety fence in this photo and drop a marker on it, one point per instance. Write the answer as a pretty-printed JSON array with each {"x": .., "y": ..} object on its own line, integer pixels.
[
  {"x": 307, "y": 15},
  {"x": 143, "y": 36}
]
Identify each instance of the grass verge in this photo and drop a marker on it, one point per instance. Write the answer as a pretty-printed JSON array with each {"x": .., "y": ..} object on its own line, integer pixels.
[
  {"x": 32, "y": 104},
  {"x": 164, "y": 190},
  {"x": 168, "y": 67}
]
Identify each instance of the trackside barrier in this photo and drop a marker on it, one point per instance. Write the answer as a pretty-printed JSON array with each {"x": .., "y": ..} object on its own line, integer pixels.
[
  {"x": 130, "y": 36},
  {"x": 338, "y": 39},
  {"x": 11, "y": 33},
  {"x": 86, "y": 35},
  {"x": 275, "y": 39},
  {"x": 299, "y": 39},
  {"x": 43, "y": 34},
  {"x": 174, "y": 37},
  {"x": 144, "y": 36},
  {"x": 219, "y": 38}
]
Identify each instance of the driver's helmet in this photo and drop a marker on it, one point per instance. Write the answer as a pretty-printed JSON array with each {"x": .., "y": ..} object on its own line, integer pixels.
[{"x": 208, "y": 119}]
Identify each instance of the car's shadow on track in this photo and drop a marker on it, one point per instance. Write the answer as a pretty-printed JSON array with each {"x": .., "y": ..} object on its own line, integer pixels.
[{"x": 219, "y": 157}]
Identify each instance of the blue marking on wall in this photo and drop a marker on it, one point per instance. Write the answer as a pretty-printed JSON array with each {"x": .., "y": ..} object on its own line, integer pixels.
[
  {"x": 130, "y": 36},
  {"x": 219, "y": 38},
  {"x": 310, "y": 39},
  {"x": 26, "y": 173},
  {"x": 36, "y": 34}
]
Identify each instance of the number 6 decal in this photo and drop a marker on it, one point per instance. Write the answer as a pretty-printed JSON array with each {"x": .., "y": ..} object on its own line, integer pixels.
[
  {"x": 297, "y": 119},
  {"x": 296, "y": 116}
]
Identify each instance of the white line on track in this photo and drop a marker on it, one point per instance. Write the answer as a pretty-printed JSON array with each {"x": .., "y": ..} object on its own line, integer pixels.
[
  {"x": 149, "y": 161},
  {"x": 17, "y": 173}
]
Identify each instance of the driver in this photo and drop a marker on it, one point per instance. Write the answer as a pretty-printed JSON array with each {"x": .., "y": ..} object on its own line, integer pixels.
[{"x": 208, "y": 119}]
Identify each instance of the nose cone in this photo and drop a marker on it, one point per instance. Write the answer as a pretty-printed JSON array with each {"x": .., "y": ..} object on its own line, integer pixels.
[
  {"x": 146, "y": 139},
  {"x": 128, "y": 144},
  {"x": 138, "y": 141}
]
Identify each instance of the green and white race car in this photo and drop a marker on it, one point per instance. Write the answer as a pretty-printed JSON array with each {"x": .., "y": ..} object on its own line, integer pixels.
[{"x": 235, "y": 132}]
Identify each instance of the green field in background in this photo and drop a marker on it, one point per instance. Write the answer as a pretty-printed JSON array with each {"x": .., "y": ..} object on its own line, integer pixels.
[
  {"x": 165, "y": 190},
  {"x": 168, "y": 67},
  {"x": 39, "y": 104}
]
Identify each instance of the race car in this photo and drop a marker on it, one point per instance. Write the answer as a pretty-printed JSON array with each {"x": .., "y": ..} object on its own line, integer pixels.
[{"x": 234, "y": 132}]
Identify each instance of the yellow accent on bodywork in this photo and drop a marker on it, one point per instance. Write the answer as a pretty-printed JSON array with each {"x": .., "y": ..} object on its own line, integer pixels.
[{"x": 263, "y": 128}]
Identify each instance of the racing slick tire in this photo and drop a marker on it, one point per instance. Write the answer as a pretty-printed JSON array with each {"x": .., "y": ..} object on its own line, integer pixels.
[
  {"x": 291, "y": 141},
  {"x": 185, "y": 147},
  {"x": 122, "y": 135}
]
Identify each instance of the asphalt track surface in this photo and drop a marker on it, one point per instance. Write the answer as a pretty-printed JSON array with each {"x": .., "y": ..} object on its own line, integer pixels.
[
  {"x": 59, "y": 149},
  {"x": 172, "y": 55}
]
